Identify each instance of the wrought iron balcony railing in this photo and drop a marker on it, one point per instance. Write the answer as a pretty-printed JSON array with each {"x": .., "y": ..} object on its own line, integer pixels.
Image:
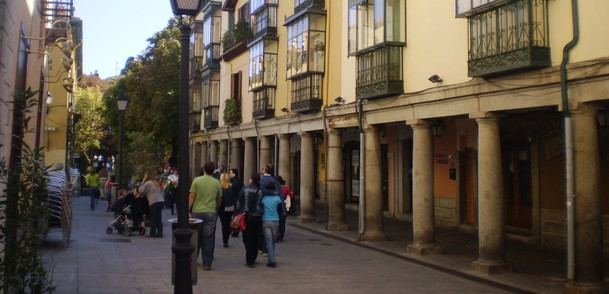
[
  {"x": 510, "y": 37},
  {"x": 264, "y": 104},
  {"x": 379, "y": 71},
  {"x": 211, "y": 57},
  {"x": 211, "y": 114},
  {"x": 306, "y": 93}
]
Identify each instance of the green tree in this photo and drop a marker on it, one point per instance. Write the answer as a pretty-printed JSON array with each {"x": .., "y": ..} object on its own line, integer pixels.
[{"x": 90, "y": 124}]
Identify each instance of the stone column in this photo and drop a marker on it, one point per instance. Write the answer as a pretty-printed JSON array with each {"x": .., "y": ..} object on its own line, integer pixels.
[
  {"x": 423, "y": 221},
  {"x": 223, "y": 156},
  {"x": 307, "y": 193},
  {"x": 213, "y": 152},
  {"x": 284, "y": 158},
  {"x": 235, "y": 155},
  {"x": 374, "y": 197},
  {"x": 588, "y": 218},
  {"x": 266, "y": 153},
  {"x": 491, "y": 200},
  {"x": 249, "y": 160},
  {"x": 336, "y": 183}
]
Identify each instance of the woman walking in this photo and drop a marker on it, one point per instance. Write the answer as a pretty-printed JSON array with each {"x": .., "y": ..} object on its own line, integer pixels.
[
  {"x": 152, "y": 190},
  {"x": 249, "y": 202},
  {"x": 227, "y": 208}
]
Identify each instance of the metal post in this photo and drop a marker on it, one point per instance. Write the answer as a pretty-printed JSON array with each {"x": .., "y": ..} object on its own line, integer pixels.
[
  {"x": 121, "y": 118},
  {"x": 182, "y": 248}
]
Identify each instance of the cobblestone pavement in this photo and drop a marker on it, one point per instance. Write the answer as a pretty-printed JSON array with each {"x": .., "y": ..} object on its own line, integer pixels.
[{"x": 307, "y": 263}]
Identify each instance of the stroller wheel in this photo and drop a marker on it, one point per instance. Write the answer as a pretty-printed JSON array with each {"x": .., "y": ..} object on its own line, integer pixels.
[
  {"x": 109, "y": 230},
  {"x": 142, "y": 231}
]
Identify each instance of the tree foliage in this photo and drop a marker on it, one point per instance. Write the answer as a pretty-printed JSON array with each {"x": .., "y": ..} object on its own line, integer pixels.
[
  {"x": 150, "y": 82},
  {"x": 90, "y": 125}
]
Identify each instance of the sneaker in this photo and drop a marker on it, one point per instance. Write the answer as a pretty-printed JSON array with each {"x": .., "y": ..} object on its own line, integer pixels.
[{"x": 271, "y": 264}]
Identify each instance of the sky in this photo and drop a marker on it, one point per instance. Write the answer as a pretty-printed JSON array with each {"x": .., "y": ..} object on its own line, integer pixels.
[{"x": 114, "y": 30}]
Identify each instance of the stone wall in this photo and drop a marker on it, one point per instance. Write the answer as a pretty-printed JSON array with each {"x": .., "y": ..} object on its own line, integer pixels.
[
  {"x": 446, "y": 213},
  {"x": 554, "y": 229}
]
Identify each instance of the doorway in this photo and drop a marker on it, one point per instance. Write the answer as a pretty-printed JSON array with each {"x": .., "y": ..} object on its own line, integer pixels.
[
  {"x": 468, "y": 204},
  {"x": 518, "y": 186}
]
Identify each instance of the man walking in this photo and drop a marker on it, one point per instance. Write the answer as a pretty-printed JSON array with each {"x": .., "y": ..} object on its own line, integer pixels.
[
  {"x": 204, "y": 199},
  {"x": 92, "y": 181}
]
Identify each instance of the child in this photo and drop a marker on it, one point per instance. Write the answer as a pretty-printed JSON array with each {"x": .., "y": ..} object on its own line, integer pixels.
[{"x": 273, "y": 207}]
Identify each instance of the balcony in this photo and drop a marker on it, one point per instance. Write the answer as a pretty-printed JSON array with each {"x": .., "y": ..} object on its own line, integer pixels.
[
  {"x": 508, "y": 38},
  {"x": 264, "y": 104},
  {"x": 195, "y": 121},
  {"x": 306, "y": 93},
  {"x": 234, "y": 42},
  {"x": 211, "y": 117},
  {"x": 379, "y": 71},
  {"x": 305, "y": 5},
  {"x": 211, "y": 58},
  {"x": 195, "y": 67}
]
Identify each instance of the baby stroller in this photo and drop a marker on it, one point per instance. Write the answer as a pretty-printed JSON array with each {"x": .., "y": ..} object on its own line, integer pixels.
[{"x": 127, "y": 218}]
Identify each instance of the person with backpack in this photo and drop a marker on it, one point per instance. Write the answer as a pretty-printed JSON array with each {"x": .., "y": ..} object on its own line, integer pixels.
[
  {"x": 273, "y": 207},
  {"x": 249, "y": 202}
]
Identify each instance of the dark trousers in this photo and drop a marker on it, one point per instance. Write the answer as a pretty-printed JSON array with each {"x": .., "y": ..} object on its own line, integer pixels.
[
  {"x": 281, "y": 232},
  {"x": 94, "y": 195},
  {"x": 251, "y": 235},
  {"x": 225, "y": 218},
  {"x": 156, "y": 220}
]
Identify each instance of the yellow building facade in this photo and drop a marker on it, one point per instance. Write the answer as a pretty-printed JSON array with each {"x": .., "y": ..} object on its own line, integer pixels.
[{"x": 447, "y": 113}]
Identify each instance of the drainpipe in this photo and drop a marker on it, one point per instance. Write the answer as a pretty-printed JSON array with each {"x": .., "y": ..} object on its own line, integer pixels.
[
  {"x": 257, "y": 145},
  {"x": 569, "y": 150},
  {"x": 276, "y": 156},
  {"x": 324, "y": 118},
  {"x": 362, "y": 169},
  {"x": 228, "y": 148}
]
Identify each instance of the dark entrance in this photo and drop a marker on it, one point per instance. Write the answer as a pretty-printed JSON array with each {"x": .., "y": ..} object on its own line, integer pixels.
[
  {"x": 518, "y": 185},
  {"x": 385, "y": 176},
  {"x": 467, "y": 186}
]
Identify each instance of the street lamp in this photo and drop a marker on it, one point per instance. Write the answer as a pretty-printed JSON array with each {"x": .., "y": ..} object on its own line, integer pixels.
[
  {"x": 121, "y": 102},
  {"x": 183, "y": 248}
]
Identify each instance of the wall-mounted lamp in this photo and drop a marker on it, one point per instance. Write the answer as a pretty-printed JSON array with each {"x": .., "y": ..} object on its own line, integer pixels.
[
  {"x": 339, "y": 100},
  {"x": 49, "y": 99},
  {"x": 439, "y": 128},
  {"x": 285, "y": 110},
  {"x": 435, "y": 79}
]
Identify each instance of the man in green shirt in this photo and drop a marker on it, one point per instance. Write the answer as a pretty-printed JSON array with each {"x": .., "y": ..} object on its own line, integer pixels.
[
  {"x": 204, "y": 199},
  {"x": 92, "y": 180}
]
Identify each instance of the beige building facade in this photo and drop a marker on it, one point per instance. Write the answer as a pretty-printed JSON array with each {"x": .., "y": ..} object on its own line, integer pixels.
[{"x": 447, "y": 113}]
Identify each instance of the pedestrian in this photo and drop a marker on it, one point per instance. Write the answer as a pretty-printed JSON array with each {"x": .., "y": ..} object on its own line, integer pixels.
[
  {"x": 151, "y": 189},
  {"x": 92, "y": 180},
  {"x": 286, "y": 197},
  {"x": 108, "y": 190},
  {"x": 227, "y": 208},
  {"x": 249, "y": 202},
  {"x": 203, "y": 200},
  {"x": 171, "y": 190},
  {"x": 273, "y": 207},
  {"x": 236, "y": 185}
]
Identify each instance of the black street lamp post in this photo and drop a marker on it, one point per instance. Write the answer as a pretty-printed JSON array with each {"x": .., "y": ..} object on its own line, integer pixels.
[
  {"x": 121, "y": 102},
  {"x": 183, "y": 248}
]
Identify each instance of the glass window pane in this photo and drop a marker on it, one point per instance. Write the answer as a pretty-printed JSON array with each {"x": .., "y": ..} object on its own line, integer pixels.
[
  {"x": 270, "y": 70},
  {"x": 379, "y": 21},
  {"x": 318, "y": 22},
  {"x": 318, "y": 48},
  {"x": 394, "y": 10},
  {"x": 352, "y": 29}
]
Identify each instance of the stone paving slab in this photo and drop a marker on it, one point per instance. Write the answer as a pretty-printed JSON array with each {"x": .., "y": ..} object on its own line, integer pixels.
[{"x": 307, "y": 263}]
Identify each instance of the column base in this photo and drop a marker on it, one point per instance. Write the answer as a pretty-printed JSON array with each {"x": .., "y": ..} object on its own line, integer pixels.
[
  {"x": 490, "y": 267},
  {"x": 337, "y": 226},
  {"x": 424, "y": 249},
  {"x": 588, "y": 288},
  {"x": 373, "y": 235},
  {"x": 306, "y": 219}
]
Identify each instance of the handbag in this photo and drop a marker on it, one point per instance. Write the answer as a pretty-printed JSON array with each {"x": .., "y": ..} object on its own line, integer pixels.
[{"x": 238, "y": 222}]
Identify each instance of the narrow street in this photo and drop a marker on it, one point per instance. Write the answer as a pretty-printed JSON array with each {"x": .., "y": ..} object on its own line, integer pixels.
[{"x": 307, "y": 263}]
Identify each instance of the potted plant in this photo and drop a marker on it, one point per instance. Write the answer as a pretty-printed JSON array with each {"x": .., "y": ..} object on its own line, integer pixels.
[{"x": 232, "y": 112}]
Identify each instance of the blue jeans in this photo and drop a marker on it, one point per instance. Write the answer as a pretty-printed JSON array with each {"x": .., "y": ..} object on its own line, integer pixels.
[
  {"x": 269, "y": 228},
  {"x": 207, "y": 236},
  {"x": 94, "y": 195}
]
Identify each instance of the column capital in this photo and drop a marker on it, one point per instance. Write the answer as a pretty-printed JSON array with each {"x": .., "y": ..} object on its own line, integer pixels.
[
  {"x": 305, "y": 134},
  {"x": 485, "y": 116},
  {"x": 419, "y": 123},
  {"x": 585, "y": 109}
]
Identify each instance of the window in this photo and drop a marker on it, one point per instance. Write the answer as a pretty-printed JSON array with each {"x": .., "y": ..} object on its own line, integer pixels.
[
  {"x": 211, "y": 91},
  {"x": 307, "y": 88},
  {"x": 196, "y": 40},
  {"x": 264, "y": 103},
  {"x": 265, "y": 21},
  {"x": 236, "y": 81},
  {"x": 212, "y": 27},
  {"x": 196, "y": 100},
  {"x": 258, "y": 4},
  {"x": 465, "y": 6},
  {"x": 374, "y": 22},
  {"x": 243, "y": 14},
  {"x": 263, "y": 64},
  {"x": 306, "y": 45}
]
